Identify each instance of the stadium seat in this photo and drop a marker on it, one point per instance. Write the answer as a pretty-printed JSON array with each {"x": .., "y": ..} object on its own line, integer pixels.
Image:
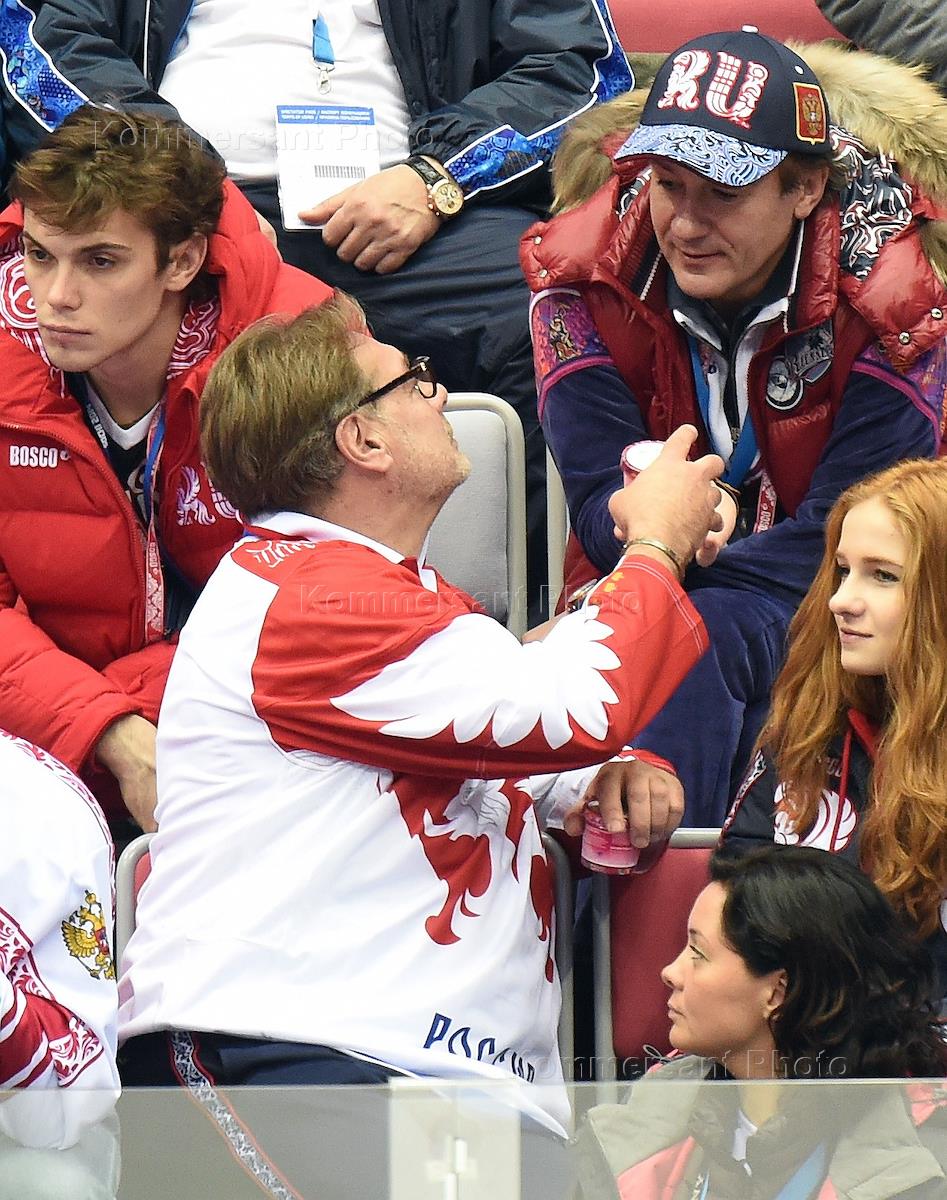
[
  {"x": 557, "y": 531},
  {"x": 478, "y": 541},
  {"x": 131, "y": 871},
  {"x": 639, "y": 926},
  {"x": 647, "y": 28}
]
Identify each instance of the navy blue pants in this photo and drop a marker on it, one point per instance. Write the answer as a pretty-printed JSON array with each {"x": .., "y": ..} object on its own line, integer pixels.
[
  {"x": 460, "y": 298},
  {"x": 708, "y": 727}
]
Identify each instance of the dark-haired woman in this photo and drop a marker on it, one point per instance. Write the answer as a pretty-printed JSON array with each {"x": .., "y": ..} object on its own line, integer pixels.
[{"x": 795, "y": 968}]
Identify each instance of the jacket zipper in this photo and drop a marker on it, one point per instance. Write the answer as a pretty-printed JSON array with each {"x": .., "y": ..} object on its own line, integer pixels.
[{"x": 151, "y": 79}]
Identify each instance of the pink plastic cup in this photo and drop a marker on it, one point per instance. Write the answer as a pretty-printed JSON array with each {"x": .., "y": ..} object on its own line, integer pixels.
[
  {"x": 608, "y": 853},
  {"x": 637, "y": 456}
]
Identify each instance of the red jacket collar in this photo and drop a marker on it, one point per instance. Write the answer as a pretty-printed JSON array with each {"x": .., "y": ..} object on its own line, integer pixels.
[
  {"x": 867, "y": 732},
  {"x": 589, "y": 245}
]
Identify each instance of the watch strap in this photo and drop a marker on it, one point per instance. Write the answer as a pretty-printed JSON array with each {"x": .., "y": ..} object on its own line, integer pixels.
[
  {"x": 444, "y": 197},
  {"x": 430, "y": 175}
]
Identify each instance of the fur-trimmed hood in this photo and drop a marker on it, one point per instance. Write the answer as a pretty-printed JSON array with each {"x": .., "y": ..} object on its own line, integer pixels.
[{"x": 890, "y": 108}]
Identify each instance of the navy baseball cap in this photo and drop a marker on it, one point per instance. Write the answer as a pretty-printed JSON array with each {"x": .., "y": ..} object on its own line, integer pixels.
[{"x": 731, "y": 106}]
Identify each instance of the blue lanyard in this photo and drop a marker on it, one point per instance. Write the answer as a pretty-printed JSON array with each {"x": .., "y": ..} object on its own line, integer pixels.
[
  {"x": 151, "y": 461},
  {"x": 744, "y": 452},
  {"x": 322, "y": 53},
  {"x": 805, "y": 1181},
  {"x": 802, "y": 1185}
]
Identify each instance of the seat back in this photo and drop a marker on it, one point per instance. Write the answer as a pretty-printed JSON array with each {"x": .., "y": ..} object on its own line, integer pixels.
[
  {"x": 557, "y": 531},
  {"x": 131, "y": 871},
  {"x": 647, "y": 28},
  {"x": 640, "y": 924},
  {"x": 563, "y": 893},
  {"x": 478, "y": 541}
]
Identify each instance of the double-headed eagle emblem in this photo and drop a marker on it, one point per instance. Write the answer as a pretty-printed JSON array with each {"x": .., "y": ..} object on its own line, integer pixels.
[{"x": 87, "y": 940}]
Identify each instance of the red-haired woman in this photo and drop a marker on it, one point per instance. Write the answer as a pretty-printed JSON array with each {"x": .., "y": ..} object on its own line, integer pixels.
[{"x": 853, "y": 757}]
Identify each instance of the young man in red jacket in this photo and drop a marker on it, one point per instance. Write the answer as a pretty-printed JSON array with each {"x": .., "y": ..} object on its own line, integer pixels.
[{"x": 127, "y": 264}]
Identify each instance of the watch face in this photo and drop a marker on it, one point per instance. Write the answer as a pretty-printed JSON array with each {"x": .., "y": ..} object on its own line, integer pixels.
[{"x": 447, "y": 198}]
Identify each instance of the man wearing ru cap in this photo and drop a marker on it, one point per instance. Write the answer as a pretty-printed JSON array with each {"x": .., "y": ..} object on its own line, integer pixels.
[{"x": 773, "y": 278}]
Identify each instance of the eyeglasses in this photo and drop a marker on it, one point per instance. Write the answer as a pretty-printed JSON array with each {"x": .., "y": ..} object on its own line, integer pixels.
[{"x": 419, "y": 370}]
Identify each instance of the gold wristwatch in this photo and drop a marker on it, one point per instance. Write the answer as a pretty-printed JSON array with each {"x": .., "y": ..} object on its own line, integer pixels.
[{"x": 444, "y": 197}]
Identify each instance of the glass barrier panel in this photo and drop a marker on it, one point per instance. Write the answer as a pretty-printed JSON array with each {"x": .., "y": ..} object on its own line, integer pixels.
[{"x": 686, "y": 1138}]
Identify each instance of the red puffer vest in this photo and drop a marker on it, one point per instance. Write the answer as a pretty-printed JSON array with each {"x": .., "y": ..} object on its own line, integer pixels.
[{"x": 606, "y": 260}]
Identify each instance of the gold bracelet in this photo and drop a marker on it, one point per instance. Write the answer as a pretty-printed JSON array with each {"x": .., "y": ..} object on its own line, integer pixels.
[
  {"x": 665, "y": 549},
  {"x": 732, "y": 492}
]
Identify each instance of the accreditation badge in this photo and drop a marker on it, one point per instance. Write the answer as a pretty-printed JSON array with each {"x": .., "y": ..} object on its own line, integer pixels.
[{"x": 321, "y": 149}]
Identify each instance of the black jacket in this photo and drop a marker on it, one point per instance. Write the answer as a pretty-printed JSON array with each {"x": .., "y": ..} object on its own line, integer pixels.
[
  {"x": 489, "y": 84},
  {"x": 912, "y": 31},
  {"x": 754, "y": 820}
]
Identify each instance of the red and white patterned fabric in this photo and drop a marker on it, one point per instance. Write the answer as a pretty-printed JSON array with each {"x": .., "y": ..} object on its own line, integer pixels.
[
  {"x": 58, "y": 1000},
  {"x": 348, "y": 852}
]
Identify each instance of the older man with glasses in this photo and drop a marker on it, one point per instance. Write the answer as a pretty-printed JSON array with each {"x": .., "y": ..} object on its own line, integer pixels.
[{"x": 348, "y": 881}]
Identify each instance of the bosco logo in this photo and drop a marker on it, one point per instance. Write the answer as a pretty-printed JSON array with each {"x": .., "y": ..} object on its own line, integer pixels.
[{"x": 36, "y": 456}]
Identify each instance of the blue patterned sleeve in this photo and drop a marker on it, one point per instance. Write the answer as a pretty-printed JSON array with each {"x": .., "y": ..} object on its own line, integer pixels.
[
  {"x": 588, "y": 415},
  {"x": 544, "y": 71},
  {"x": 29, "y": 77}
]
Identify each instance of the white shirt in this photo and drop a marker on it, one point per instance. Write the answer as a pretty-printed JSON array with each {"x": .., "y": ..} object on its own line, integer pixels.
[
  {"x": 236, "y": 60},
  {"x": 126, "y": 436},
  {"x": 745, "y": 1129}
]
